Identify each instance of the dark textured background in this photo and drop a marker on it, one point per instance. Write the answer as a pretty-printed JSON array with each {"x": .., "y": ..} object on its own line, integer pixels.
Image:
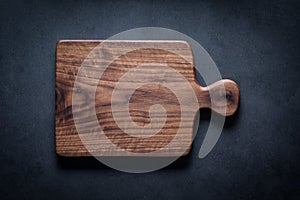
[{"x": 255, "y": 43}]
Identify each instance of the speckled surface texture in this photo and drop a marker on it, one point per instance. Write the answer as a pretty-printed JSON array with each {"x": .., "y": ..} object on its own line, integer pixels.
[{"x": 255, "y": 43}]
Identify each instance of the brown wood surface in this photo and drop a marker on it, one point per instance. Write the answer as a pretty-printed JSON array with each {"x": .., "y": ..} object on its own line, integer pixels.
[{"x": 69, "y": 57}]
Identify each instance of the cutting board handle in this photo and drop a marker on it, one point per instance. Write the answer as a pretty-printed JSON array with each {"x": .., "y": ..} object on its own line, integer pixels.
[{"x": 213, "y": 96}]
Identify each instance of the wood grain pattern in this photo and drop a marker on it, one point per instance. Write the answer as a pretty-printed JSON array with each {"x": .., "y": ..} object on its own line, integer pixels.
[{"x": 69, "y": 57}]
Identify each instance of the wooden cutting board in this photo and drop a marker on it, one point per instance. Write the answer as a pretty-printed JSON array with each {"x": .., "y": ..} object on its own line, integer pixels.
[{"x": 174, "y": 138}]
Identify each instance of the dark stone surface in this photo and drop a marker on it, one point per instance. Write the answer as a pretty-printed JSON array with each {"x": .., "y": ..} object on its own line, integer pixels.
[{"x": 254, "y": 43}]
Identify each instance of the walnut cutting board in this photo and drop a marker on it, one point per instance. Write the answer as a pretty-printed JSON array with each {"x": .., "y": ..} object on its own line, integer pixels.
[{"x": 173, "y": 138}]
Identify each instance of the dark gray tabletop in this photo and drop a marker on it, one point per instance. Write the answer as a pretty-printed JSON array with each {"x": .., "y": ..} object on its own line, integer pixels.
[{"x": 255, "y": 43}]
